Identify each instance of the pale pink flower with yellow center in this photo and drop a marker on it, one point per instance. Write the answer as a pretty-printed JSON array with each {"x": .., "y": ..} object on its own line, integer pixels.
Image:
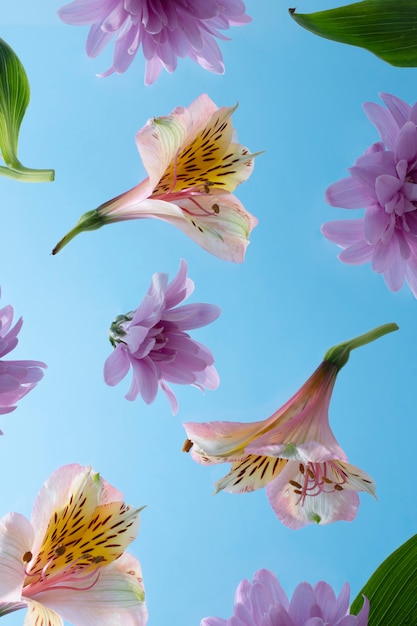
[
  {"x": 263, "y": 602},
  {"x": 166, "y": 30},
  {"x": 17, "y": 378},
  {"x": 69, "y": 561},
  {"x": 293, "y": 453},
  {"x": 194, "y": 162}
]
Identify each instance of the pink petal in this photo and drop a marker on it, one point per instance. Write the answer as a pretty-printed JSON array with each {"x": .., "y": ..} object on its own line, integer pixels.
[
  {"x": 326, "y": 507},
  {"x": 219, "y": 439}
]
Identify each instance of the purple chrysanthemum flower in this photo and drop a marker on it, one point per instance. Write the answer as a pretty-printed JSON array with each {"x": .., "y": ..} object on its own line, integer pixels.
[
  {"x": 384, "y": 182},
  {"x": 152, "y": 340},
  {"x": 166, "y": 29},
  {"x": 264, "y": 603},
  {"x": 17, "y": 378}
]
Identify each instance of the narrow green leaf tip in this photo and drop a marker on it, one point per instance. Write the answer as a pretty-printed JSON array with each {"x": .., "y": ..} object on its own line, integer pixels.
[{"x": 388, "y": 28}]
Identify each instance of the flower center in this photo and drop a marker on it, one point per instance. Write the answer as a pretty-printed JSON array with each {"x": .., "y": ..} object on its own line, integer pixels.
[{"x": 314, "y": 479}]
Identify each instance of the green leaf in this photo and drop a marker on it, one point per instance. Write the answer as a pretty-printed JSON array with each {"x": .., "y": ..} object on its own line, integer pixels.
[
  {"x": 388, "y": 28},
  {"x": 14, "y": 99},
  {"x": 392, "y": 589}
]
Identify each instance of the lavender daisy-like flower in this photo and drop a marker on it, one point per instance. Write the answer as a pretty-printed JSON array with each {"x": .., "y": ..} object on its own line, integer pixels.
[
  {"x": 264, "y": 603},
  {"x": 384, "y": 182},
  {"x": 152, "y": 340},
  {"x": 166, "y": 29},
  {"x": 17, "y": 378}
]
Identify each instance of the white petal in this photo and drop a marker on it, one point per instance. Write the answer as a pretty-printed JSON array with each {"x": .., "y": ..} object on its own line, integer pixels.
[
  {"x": 16, "y": 538},
  {"x": 117, "y": 599},
  {"x": 39, "y": 615}
]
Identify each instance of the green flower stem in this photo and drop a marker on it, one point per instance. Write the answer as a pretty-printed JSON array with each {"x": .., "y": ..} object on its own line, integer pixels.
[
  {"x": 339, "y": 354},
  {"x": 89, "y": 221},
  {"x": 27, "y": 175}
]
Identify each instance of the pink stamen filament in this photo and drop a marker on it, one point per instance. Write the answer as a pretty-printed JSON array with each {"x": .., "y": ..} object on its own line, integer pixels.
[
  {"x": 71, "y": 573},
  {"x": 316, "y": 484}
]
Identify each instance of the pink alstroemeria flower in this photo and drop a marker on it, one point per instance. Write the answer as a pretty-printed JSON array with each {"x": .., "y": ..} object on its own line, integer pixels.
[
  {"x": 17, "y": 378},
  {"x": 264, "y": 603},
  {"x": 69, "y": 561},
  {"x": 383, "y": 181},
  {"x": 193, "y": 163},
  {"x": 166, "y": 29},
  {"x": 153, "y": 342},
  {"x": 293, "y": 453}
]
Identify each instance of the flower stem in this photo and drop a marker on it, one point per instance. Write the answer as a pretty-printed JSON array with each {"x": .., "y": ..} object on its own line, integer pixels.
[
  {"x": 27, "y": 175},
  {"x": 340, "y": 354},
  {"x": 89, "y": 221}
]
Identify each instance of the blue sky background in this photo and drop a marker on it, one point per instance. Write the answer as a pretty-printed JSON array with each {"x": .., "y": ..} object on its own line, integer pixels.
[{"x": 300, "y": 100}]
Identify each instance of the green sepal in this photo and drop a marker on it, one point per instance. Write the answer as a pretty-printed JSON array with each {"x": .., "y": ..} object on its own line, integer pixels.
[
  {"x": 92, "y": 220},
  {"x": 392, "y": 589},
  {"x": 14, "y": 99},
  {"x": 388, "y": 28},
  {"x": 339, "y": 355}
]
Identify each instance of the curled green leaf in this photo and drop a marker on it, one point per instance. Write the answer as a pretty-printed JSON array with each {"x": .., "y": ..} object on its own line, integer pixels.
[
  {"x": 14, "y": 99},
  {"x": 392, "y": 589},
  {"x": 388, "y": 28}
]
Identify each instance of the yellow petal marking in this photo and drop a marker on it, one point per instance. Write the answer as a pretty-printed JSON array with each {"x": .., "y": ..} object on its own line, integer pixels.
[
  {"x": 253, "y": 472},
  {"x": 84, "y": 537},
  {"x": 208, "y": 161}
]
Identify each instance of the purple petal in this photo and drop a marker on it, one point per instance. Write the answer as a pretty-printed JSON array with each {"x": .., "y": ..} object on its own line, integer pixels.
[
  {"x": 386, "y": 187},
  {"x": 399, "y": 109},
  {"x": 179, "y": 288},
  {"x": 375, "y": 223},
  {"x": 383, "y": 256},
  {"x": 172, "y": 399},
  {"x": 116, "y": 366},
  {"x": 394, "y": 274},
  {"x": 301, "y": 601},
  {"x": 384, "y": 122},
  {"x": 344, "y": 232},
  {"x": 348, "y": 193},
  {"x": 81, "y": 12},
  {"x": 146, "y": 380},
  {"x": 406, "y": 147},
  {"x": 192, "y": 316},
  {"x": 357, "y": 254}
]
